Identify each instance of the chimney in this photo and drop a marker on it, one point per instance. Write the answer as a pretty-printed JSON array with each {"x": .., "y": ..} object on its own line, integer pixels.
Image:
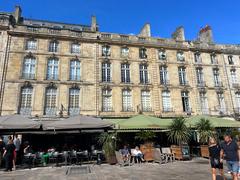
[
  {"x": 94, "y": 26},
  {"x": 17, "y": 14},
  {"x": 205, "y": 34},
  {"x": 146, "y": 31},
  {"x": 179, "y": 34}
]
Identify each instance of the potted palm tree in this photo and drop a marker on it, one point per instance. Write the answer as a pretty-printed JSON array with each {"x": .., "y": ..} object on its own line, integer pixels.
[
  {"x": 146, "y": 137},
  {"x": 108, "y": 142},
  {"x": 179, "y": 134},
  {"x": 205, "y": 130}
]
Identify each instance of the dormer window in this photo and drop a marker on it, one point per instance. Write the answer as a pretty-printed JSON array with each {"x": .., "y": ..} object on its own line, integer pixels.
[
  {"x": 197, "y": 57},
  {"x": 75, "y": 48},
  {"x": 124, "y": 51},
  {"x": 31, "y": 44},
  {"x": 106, "y": 50},
  {"x": 162, "y": 54},
  {"x": 180, "y": 56},
  {"x": 230, "y": 60},
  {"x": 143, "y": 53},
  {"x": 213, "y": 58}
]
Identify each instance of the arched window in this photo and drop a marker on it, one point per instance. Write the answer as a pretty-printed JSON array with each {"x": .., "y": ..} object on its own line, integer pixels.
[
  {"x": 146, "y": 101},
  {"x": 107, "y": 100},
  {"x": 52, "y": 69},
  {"x": 74, "y": 100},
  {"x": 126, "y": 100},
  {"x": 106, "y": 72},
  {"x": 31, "y": 44},
  {"x": 50, "y": 101},
  {"x": 125, "y": 73},
  {"x": 143, "y": 68},
  {"x": 25, "y": 105}
]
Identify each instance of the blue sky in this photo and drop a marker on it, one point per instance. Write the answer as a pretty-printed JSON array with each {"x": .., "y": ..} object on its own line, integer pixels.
[{"x": 128, "y": 16}]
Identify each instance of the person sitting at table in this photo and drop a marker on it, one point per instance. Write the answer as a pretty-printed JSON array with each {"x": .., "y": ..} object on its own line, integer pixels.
[
  {"x": 125, "y": 153},
  {"x": 137, "y": 154}
]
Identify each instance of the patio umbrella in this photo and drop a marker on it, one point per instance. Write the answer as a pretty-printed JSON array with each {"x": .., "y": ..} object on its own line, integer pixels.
[
  {"x": 17, "y": 122},
  {"x": 77, "y": 122},
  {"x": 141, "y": 122},
  {"x": 217, "y": 122}
]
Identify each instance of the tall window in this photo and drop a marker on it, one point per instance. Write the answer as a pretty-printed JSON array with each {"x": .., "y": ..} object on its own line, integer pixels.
[
  {"x": 182, "y": 75},
  {"x": 75, "y": 70},
  {"x": 233, "y": 76},
  {"x": 230, "y": 60},
  {"x": 142, "y": 53},
  {"x": 166, "y": 101},
  {"x": 74, "y": 101},
  {"x": 213, "y": 59},
  {"x": 163, "y": 75},
  {"x": 53, "y": 46},
  {"x": 126, "y": 100},
  {"x": 50, "y": 102},
  {"x": 26, "y": 101},
  {"x": 52, "y": 69},
  {"x": 106, "y": 50},
  {"x": 237, "y": 99},
  {"x": 31, "y": 44},
  {"x": 204, "y": 102},
  {"x": 180, "y": 56},
  {"x": 185, "y": 101},
  {"x": 197, "y": 57},
  {"x": 146, "y": 101},
  {"x": 125, "y": 73},
  {"x": 29, "y": 66},
  {"x": 200, "y": 79},
  {"x": 143, "y": 73},
  {"x": 75, "y": 48},
  {"x": 107, "y": 100},
  {"x": 106, "y": 72},
  {"x": 216, "y": 77},
  {"x": 124, "y": 51},
  {"x": 221, "y": 102},
  {"x": 162, "y": 55}
]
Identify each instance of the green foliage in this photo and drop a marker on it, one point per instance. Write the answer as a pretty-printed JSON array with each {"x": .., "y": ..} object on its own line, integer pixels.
[
  {"x": 145, "y": 135},
  {"x": 108, "y": 142},
  {"x": 205, "y": 130},
  {"x": 178, "y": 131}
]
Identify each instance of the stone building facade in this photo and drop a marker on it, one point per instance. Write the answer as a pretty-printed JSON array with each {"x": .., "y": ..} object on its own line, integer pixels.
[{"x": 56, "y": 69}]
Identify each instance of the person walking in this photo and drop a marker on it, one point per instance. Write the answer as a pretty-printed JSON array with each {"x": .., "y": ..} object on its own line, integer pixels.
[
  {"x": 17, "y": 143},
  {"x": 214, "y": 158},
  {"x": 9, "y": 155},
  {"x": 230, "y": 150},
  {"x": 2, "y": 148}
]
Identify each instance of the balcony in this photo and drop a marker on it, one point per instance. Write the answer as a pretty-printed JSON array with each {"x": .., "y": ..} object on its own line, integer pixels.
[
  {"x": 144, "y": 82},
  {"x": 28, "y": 76},
  {"x": 52, "y": 77},
  {"x": 184, "y": 83},
  {"x": 165, "y": 82}
]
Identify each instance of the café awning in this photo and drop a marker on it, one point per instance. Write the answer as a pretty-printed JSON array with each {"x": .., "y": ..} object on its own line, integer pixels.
[
  {"x": 217, "y": 122},
  {"x": 141, "y": 122},
  {"x": 18, "y": 122},
  {"x": 77, "y": 122}
]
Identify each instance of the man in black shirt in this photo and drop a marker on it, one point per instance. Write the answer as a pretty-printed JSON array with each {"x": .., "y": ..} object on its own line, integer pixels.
[{"x": 230, "y": 150}]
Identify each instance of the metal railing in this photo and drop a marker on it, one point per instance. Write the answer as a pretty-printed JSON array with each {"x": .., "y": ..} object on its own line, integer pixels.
[{"x": 28, "y": 76}]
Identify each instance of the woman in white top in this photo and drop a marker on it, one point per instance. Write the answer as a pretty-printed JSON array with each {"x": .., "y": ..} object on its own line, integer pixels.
[{"x": 138, "y": 154}]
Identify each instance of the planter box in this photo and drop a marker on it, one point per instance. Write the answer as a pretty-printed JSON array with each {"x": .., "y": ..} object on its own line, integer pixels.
[
  {"x": 181, "y": 152},
  {"x": 204, "y": 151},
  {"x": 148, "y": 150}
]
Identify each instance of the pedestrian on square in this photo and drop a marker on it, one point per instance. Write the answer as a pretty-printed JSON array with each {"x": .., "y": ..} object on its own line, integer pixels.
[
  {"x": 214, "y": 158},
  {"x": 17, "y": 143},
  {"x": 230, "y": 150},
  {"x": 9, "y": 154},
  {"x": 2, "y": 148}
]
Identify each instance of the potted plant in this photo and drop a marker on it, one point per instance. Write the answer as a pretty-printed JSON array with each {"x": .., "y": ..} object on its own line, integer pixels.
[
  {"x": 147, "y": 147},
  {"x": 205, "y": 130},
  {"x": 108, "y": 142},
  {"x": 179, "y": 134}
]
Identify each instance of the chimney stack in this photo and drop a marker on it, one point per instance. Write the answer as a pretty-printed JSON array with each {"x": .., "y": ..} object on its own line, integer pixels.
[
  {"x": 146, "y": 31},
  {"x": 94, "y": 26},
  {"x": 18, "y": 14},
  {"x": 205, "y": 34},
  {"x": 179, "y": 34}
]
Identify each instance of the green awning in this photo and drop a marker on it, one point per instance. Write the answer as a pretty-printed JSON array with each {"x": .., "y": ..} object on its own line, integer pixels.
[
  {"x": 141, "y": 122},
  {"x": 216, "y": 122}
]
